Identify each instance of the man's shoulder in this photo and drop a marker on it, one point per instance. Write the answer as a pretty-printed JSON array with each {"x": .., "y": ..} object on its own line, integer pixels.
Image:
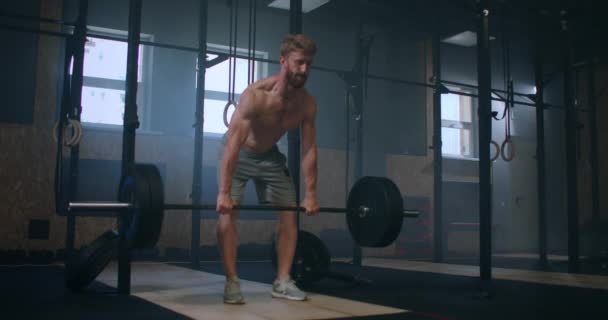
[
  {"x": 256, "y": 97},
  {"x": 303, "y": 95},
  {"x": 258, "y": 90},
  {"x": 310, "y": 100},
  {"x": 309, "y": 103},
  {"x": 264, "y": 84}
]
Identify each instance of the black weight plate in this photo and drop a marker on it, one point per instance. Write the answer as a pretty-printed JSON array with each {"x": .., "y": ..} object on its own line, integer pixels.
[
  {"x": 145, "y": 191},
  {"x": 151, "y": 221},
  {"x": 87, "y": 263},
  {"x": 382, "y": 224},
  {"x": 126, "y": 193},
  {"x": 395, "y": 200}
]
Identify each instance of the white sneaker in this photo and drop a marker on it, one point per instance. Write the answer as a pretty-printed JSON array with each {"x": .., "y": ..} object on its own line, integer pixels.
[
  {"x": 232, "y": 292},
  {"x": 287, "y": 289}
]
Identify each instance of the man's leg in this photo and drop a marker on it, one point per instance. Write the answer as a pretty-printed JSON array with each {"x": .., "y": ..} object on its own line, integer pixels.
[
  {"x": 275, "y": 186},
  {"x": 228, "y": 241},
  {"x": 287, "y": 237},
  {"x": 227, "y": 238}
]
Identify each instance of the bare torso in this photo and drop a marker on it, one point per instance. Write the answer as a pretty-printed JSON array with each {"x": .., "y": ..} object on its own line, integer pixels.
[{"x": 274, "y": 115}]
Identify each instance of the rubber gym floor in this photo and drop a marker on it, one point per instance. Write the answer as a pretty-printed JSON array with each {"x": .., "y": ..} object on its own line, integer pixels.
[{"x": 37, "y": 292}]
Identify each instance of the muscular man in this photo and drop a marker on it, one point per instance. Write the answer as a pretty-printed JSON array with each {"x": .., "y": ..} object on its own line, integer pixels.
[{"x": 267, "y": 109}]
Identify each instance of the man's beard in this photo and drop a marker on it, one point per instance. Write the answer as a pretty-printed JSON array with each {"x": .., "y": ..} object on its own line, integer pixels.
[{"x": 296, "y": 80}]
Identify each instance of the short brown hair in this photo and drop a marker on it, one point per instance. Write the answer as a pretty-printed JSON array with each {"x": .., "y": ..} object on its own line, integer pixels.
[{"x": 295, "y": 42}]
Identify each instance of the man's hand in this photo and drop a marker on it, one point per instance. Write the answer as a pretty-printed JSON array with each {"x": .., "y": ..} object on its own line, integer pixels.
[
  {"x": 311, "y": 205},
  {"x": 224, "y": 204}
]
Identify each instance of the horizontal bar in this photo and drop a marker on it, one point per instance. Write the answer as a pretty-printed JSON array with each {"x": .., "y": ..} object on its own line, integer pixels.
[
  {"x": 242, "y": 56},
  {"x": 98, "y": 206},
  {"x": 501, "y": 99},
  {"x": 402, "y": 81},
  {"x": 546, "y": 105},
  {"x": 107, "y": 206},
  {"x": 217, "y": 60},
  {"x": 168, "y": 46},
  {"x": 411, "y": 213},
  {"x": 95, "y": 213},
  {"x": 195, "y": 49},
  {"x": 320, "y": 68},
  {"x": 145, "y": 43},
  {"x": 466, "y": 85},
  {"x": 326, "y": 69},
  {"x": 34, "y": 30},
  {"x": 35, "y": 19},
  {"x": 187, "y": 206}
]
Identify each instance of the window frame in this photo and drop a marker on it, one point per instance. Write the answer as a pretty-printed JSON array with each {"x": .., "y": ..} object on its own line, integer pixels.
[
  {"x": 472, "y": 126},
  {"x": 260, "y": 73},
  {"x": 144, "y": 83}
]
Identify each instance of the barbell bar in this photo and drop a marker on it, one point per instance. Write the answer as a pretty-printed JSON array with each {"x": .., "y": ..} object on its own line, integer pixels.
[
  {"x": 374, "y": 209},
  {"x": 362, "y": 211}
]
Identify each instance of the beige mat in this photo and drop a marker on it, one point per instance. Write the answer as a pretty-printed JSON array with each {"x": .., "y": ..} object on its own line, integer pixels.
[{"x": 198, "y": 295}]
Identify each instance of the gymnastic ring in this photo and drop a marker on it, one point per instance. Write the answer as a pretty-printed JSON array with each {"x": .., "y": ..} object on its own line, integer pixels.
[
  {"x": 75, "y": 138},
  {"x": 496, "y": 149},
  {"x": 508, "y": 142},
  {"x": 228, "y": 104}
]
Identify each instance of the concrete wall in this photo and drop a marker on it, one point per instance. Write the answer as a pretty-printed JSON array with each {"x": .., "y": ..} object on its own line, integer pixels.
[
  {"x": 27, "y": 161},
  {"x": 592, "y": 228}
]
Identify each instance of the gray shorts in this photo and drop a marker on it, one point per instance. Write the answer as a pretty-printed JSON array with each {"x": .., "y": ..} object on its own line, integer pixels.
[{"x": 269, "y": 173}]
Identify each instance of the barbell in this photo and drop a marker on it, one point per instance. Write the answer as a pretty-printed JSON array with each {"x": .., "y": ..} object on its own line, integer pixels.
[{"x": 374, "y": 211}]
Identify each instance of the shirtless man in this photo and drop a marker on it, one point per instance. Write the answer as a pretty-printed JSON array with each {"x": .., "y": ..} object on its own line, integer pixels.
[{"x": 267, "y": 109}]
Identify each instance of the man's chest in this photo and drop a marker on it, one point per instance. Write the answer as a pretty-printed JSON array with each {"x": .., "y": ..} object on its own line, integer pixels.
[{"x": 281, "y": 116}]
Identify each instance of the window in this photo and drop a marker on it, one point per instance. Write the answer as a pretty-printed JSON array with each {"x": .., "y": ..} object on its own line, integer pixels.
[
  {"x": 105, "y": 67},
  {"x": 216, "y": 87},
  {"x": 458, "y": 129}
]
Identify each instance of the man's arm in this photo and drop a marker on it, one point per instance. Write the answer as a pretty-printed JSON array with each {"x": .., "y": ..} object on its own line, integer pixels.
[
  {"x": 309, "y": 158},
  {"x": 238, "y": 131}
]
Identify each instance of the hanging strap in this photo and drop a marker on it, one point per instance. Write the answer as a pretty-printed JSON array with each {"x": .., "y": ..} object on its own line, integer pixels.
[
  {"x": 508, "y": 143},
  {"x": 232, "y": 43},
  {"x": 251, "y": 41}
]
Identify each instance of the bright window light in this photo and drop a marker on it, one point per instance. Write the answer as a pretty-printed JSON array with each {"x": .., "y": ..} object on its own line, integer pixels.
[
  {"x": 214, "y": 115},
  {"x": 102, "y": 105},
  {"x": 216, "y": 77},
  {"x": 104, "y": 72},
  {"x": 216, "y": 88},
  {"x": 457, "y": 125},
  {"x": 307, "y": 5}
]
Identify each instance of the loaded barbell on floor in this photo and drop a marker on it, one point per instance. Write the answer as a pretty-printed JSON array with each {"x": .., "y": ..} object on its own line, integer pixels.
[{"x": 374, "y": 211}]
